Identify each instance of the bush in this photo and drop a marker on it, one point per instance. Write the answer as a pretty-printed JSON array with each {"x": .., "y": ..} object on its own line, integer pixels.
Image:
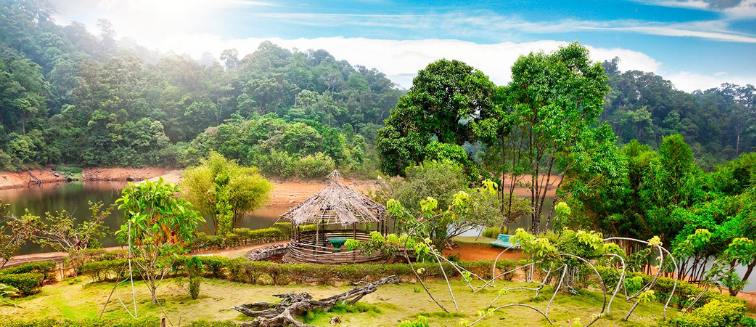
[
  {"x": 278, "y": 163},
  {"x": 42, "y": 267},
  {"x": 245, "y": 271},
  {"x": 314, "y": 166},
  {"x": 492, "y": 232},
  {"x": 748, "y": 322},
  {"x": 69, "y": 170},
  {"x": 238, "y": 237},
  {"x": 194, "y": 287},
  {"x": 713, "y": 314},
  {"x": 26, "y": 283},
  {"x": 420, "y": 321}
]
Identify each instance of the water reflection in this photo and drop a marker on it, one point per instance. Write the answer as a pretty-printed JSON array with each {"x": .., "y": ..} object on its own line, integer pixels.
[{"x": 74, "y": 197}]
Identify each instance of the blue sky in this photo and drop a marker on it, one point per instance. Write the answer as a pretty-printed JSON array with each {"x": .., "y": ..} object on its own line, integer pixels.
[{"x": 694, "y": 43}]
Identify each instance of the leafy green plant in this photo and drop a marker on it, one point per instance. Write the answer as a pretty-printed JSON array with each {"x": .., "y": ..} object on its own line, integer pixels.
[
  {"x": 492, "y": 232},
  {"x": 420, "y": 321},
  {"x": 60, "y": 232},
  {"x": 223, "y": 190},
  {"x": 6, "y": 293},
  {"x": 158, "y": 224}
]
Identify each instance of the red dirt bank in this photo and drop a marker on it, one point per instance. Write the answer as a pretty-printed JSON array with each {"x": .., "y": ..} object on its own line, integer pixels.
[{"x": 21, "y": 179}]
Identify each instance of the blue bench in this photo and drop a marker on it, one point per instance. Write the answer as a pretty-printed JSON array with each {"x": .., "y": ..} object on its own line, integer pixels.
[{"x": 503, "y": 242}]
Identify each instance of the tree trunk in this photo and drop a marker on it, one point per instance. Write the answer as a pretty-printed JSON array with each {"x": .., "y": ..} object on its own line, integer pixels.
[{"x": 747, "y": 274}]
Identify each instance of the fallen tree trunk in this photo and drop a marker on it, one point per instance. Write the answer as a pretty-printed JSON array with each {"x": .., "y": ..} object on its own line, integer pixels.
[{"x": 297, "y": 304}]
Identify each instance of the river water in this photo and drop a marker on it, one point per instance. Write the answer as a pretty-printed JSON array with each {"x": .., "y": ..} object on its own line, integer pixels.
[{"x": 75, "y": 196}]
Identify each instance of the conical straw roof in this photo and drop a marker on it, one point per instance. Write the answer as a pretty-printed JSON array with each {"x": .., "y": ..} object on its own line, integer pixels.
[{"x": 336, "y": 204}]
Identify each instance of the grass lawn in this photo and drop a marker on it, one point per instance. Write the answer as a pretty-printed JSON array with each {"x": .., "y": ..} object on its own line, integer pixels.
[{"x": 79, "y": 298}]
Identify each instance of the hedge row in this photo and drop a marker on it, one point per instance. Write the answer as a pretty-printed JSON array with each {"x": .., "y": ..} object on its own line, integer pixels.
[
  {"x": 237, "y": 237},
  {"x": 245, "y": 271},
  {"x": 107, "y": 322},
  {"x": 42, "y": 267},
  {"x": 26, "y": 283},
  {"x": 76, "y": 259},
  {"x": 28, "y": 277}
]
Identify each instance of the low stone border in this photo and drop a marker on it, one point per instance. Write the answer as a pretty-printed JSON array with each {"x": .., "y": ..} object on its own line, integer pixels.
[{"x": 266, "y": 252}]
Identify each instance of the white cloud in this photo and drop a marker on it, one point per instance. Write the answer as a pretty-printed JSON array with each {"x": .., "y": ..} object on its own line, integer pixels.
[
  {"x": 176, "y": 25},
  {"x": 739, "y": 9},
  {"x": 494, "y": 26},
  {"x": 400, "y": 60},
  {"x": 690, "y": 82},
  {"x": 150, "y": 21}
]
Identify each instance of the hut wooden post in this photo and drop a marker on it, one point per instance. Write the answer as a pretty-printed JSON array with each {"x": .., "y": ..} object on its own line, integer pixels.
[{"x": 354, "y": 231}]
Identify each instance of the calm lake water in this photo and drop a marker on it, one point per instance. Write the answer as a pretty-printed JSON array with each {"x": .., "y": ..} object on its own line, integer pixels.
[{"x": 74, "y": 198}]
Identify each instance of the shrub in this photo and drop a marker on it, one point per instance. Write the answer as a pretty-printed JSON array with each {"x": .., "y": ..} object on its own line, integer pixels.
[
  {"x": 106, "y": 270},
  {"x": 748, "y": 322},
  {"x": 238, "y": 237},
  {"x": 314, "y": 166},
  {"x": 420, "y": 321},
  {"x": 69, "y": 170},
  {"x": 492, "y": 232},
  {"x": 42, "y": 267},
  {"x": 194, "y": 287},
  {"x": 713, "y": 314},
  {"x": 278, "y": 163},
  {"x": 26, "y": 283}
]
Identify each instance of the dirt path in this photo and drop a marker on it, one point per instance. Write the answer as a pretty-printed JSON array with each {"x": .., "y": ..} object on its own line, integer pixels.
[
  {"x": 475, "y": 252},
  {"x": 236, "y": 252}
]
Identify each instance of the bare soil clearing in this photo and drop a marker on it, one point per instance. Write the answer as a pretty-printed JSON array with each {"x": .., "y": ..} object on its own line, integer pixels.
[
  {"x": 21, "y": 179},
  {"x": 475, "y": 252}
]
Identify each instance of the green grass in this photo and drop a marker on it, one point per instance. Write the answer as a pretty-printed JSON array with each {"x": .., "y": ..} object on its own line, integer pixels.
[
  {"x": 492, "y": 232},
  {"x": 386, "y": 307},
  {"x": 472, "y": 240},
  {"x": 72, "y": 172}
]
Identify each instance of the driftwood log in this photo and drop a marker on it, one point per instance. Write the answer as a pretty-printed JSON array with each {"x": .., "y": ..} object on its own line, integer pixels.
[{"x": 298, "y": 304}]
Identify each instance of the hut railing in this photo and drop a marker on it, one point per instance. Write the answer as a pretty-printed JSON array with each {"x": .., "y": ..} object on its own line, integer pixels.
[
  {"x": 305, "y": 249},
  {"x": 317, "y": 254}
]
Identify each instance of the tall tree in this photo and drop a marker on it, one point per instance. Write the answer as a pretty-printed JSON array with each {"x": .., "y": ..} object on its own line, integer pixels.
[
  {"x": 443, "y": 99},
  {"x": 224, "y": 191},
  {"x": 557, "y": 99}
]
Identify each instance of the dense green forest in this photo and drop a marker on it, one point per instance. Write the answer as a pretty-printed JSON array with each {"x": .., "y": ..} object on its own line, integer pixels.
[
  {"x": 68, "y": 96},
  {"x": 719, "y": 123},
  {"x": 546, "y": 131}
]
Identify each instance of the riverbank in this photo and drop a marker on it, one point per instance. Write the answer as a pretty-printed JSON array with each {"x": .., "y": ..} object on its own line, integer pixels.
[
  {"x": 289, "y": 193},
  {"x": 11, "y": 180}
]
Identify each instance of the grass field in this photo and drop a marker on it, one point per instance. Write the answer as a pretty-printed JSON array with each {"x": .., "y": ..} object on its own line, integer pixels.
[{"x": 79, "y": 298}]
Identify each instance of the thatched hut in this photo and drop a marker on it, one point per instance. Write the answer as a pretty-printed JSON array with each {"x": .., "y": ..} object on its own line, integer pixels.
[{"x": 324, "y": 222}]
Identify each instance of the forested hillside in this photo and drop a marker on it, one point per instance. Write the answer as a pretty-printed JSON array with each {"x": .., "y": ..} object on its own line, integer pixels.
[
  {"x": 71, "y": 97},
  {"x": 67, "y": 96},
  {"x": 719, "y": 123}
]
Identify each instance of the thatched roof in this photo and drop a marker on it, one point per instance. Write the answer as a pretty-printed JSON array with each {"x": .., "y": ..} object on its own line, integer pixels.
[{"x": 336, "y": 204}]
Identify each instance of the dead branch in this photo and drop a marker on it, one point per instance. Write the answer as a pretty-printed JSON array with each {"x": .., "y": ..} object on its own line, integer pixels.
[{"x": 297, "y": 304}]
